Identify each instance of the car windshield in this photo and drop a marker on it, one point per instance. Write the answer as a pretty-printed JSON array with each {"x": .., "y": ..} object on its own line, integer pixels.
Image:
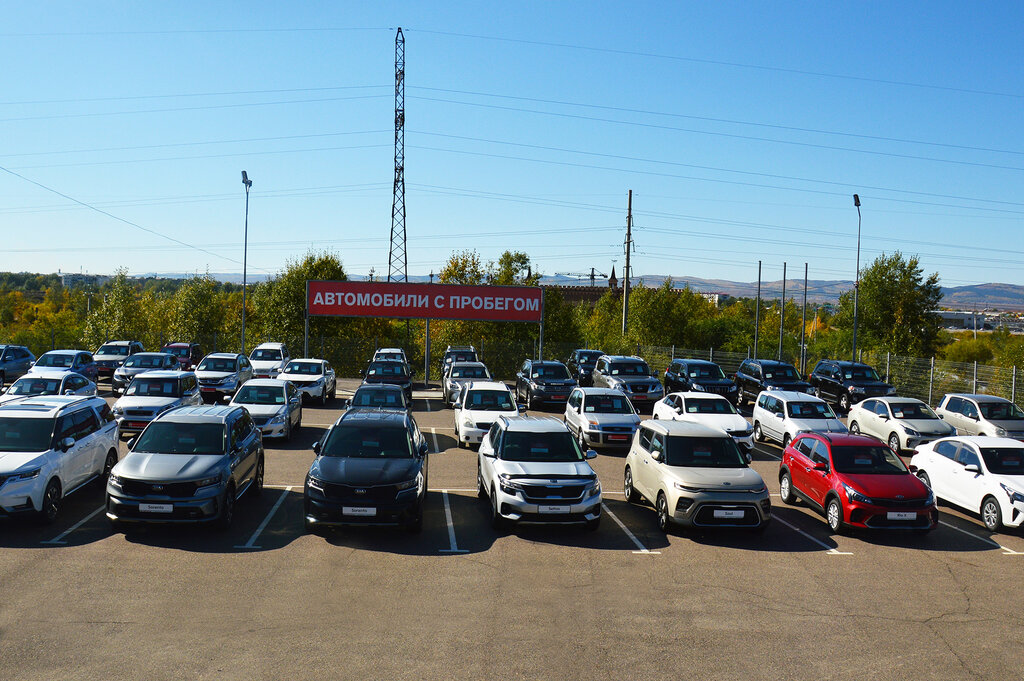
[
  {"x": 1004, "y": 460},
  {"x": 260, "y": 394},
  {"x": 699, "y": 405},
  {"x": 552, "y": 446},
  {"x": 788, "y": 373},
  {"x": 460, "y": 357},
  {"x": 588, "y": 356},
  {"x": 868, "y": 459},
  {"x": 861, "y": 374},
  {"x": 810, "y": 410},
  {"x": 549, "y": 371},
  {"x": 397, "y": 356},
  {"x": 490, "y": 400},
  {"x": 629, "y": 369},
  {"x": 304, "y": 368},
  {"x": 607, "y": 404},
  {"x": 217, "y": 364},
  {"x": 911, "y": 411},
  {"x": 704, "y": 452},
  {"x": 34, "y": 385},
  {"x": 266, "y": 355},
  {"x": 153, "y": 387},
  {"x": 19, "y": 434},
  {"x": 469, "y": 372},
  {"x": 705, "y": 371},
  {"x": 119, "y": 350},
  {"x": 386, "y": 369},
  {"x": 163, "y": 437},
  {"x": 368, "y": 442},
  {"x": 176, "y": 351},
  {"x": 58, "y": 361},
  {"x": 375, "y": 397},
  {"x": 144, "y": 361},
  {"x": 1001, "y": 411}
]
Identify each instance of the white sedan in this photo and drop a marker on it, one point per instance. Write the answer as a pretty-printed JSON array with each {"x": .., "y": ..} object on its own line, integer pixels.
[{"x": 711, "y": 410}]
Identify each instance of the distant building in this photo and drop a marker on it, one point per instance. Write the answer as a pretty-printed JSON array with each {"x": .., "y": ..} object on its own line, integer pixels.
[
  {"x": 961, "y": 319},
  {"x": 72, "y": 280}
]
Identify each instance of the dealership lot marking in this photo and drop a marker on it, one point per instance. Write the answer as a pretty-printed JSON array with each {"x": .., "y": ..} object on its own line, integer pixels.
[
  {"x": 1006, "y": 551},
  {"x": 453, "y": 547},
  {"x": 59, "y": 539},
  {"x": 251, "y": 544},
  {"x": 642, "y": 550},
  {"x": 828, "y": 549}
]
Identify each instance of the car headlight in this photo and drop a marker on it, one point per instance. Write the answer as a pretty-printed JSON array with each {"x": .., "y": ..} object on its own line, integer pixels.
[
  {"x": 208, "y": 482},
  {"x": 594, "y": 425},
  {"x": 854, "y": 495},
  {"x": 114, "y": 480},
  {"x": 931, "y": 498},
  {"x": 278, "y": 418},
  {"x": 770, "y": 387},
  {"x": 416, "y": 482},
  {"x": 1012, "y": 493},
  {"x": 810, "y": 390},
  {"x": 314, "y": 483},
  {"x": 25, "y": 475},
  {"x": 507, "y": 486},
  {"x": 696, "y": 387},
  {"x": 747, "y": 432},
  {"x": 890, "y": 390},
  {"x": 1000, "y": 432},
  {"x": 685, "y": 488},
  {"x": 118, "y": 411},
  {"x": 856, "y": 389},
  {"x": 759, "y": 490},
  {"x": 911, "y": 431},
  {"x": 595, "y": 488},
  {"x": 318, "y": 382}
]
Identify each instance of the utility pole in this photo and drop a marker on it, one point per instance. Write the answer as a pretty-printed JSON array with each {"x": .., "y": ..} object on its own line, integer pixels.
[
  {"x": 247, "y": 183},
  {"x": 757, "y": 310},
  {"x": 856, "y": 281},
  {"x": 397, "y": 259},
  {"x": 782, "y": 311},
  {"x": 629, "y": 247},
  {"x": 803, "y": 329}
]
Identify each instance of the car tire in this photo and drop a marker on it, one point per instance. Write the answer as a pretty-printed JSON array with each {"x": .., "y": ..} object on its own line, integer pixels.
[
  {"x": 227, "y": 511},
  {"x": 334, "y": 390},
  {"x": 661, "y": 508},
  {"x": 256, "y": 486},
  {"x": 834, "y": 514},
  {"x": 844, "y": 402},
  {"x": 923, "y": 477},
  {"x": 108, "y": 465},
  {"x": 854, "y": 427},
  {"x": 529, "y": 400},
  {"x": 581, "y": 440},
  {"x": 758, "y": 433},
  {"x": 51, "y": 503},
  {"x": 894, "y": 443},
  {"x": 786, "y": 439},
  {"x": 116, "y": 526},
  {"x": 498, "y": 523},
  {"x": 786, "y": 490},
  {"x": 323, "y": 397},
  {"x": 481, "y": 490},
  {"x": 311, "y": 528},
  {"x": 991, "y": 514},
  {"x": 287, "y": 429},
  {"x": 632, "y": 496}
]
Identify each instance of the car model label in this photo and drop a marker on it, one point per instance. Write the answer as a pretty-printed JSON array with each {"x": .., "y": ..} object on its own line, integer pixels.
[
  {"x": 727, "y": 513},
  {"x": 552, "y": 509},
  {"x": 156, "y": 508},
  {"x": 359, "y": 510},
  {"x": 901, "y": 515}
]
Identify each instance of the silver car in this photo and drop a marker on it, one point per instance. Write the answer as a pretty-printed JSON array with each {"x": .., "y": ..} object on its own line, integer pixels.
[
  {"x": 462, "y": 372},
  {"x": 48, "y": 382},
  {"x": 152, "y": 393},
  {"x": 136, "y": 364},
  {"x": 15, "y": 361},
  {"x": 903, "y": 422},
  {"x": 313, "y": 378},
  {"x": 275, "y": 406},
  {"x": 600, "y": 418},
  {"x": 982, "y": 415},
  {"x": 220, "y": 375}
]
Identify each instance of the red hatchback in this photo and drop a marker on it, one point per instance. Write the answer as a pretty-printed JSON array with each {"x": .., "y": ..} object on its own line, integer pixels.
[{"x": 856, "y": 481}]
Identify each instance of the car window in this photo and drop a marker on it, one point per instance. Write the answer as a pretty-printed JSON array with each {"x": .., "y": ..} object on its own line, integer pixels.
[
  {"x": 967, "y": 456},
  {"x": 1002, "y": 411},
  {"x": 869, "y": 405},
  {"x": 947, "y": 448},
  {"x": 657, "y": 443},
  {"x": 969, "y": 409},
  {"x": 607, "y": 404},
  {"x": 804, "y": 445},
  {"x": 645, "y": 439},
  {"x": 106, "y": 414},
  {"x": 556, "y": 445},
  {"x": 954, "y": 404},
  {"x": 704, "y": 452},
  {"x": 65, "y": 427},
  {"x": 86, "y": 423},
  {"x": 709, "y": 405},
  {"x": 880, "y": 409},
  {"x": 165, "y": 437},
  {"x": 867, "y": 459},
  {"x": 1004, "y": 460},
  {"x": 819, "y": 452}
]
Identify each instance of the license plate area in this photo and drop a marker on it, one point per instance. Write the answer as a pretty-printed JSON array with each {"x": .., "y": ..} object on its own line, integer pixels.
[
  {"x": 552, "y": 508},
  {"x": 156, "y": 508},
  {"x": 361, "y": 511},
  {"x": 728, "y": 514},
  {"x": 901, "y": 515}
]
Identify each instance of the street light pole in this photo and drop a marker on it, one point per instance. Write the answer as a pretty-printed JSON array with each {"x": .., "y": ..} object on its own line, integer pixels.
[
  {"x": 245, "y": 250},
  {"x": 856, "y": 281}
]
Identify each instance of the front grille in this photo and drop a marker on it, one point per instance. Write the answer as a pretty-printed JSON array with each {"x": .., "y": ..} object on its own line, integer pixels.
[
  {"x": 717, "y": 389},
  {"x": 706, "y": 515},
  {"x": 639, "y": 388},
  {"x": 261, "y": 421},
  {"x": 543, "y": 493},
  {"x": 480, "y": 425},
  {"x": 138, "y": 412},
  {"x": 140, "y": 488},
  {"x": 617, "y": 429},
  {"x": 900, "y": 503},
  {"x": 349, "y": 493}
]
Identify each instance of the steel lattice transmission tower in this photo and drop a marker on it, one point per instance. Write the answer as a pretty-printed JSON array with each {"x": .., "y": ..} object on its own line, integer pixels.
[{"x": 397, "y": 259}]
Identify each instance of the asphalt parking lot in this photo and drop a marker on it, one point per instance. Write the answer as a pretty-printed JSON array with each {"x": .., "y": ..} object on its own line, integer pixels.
[{"x": 264, "y": 600}]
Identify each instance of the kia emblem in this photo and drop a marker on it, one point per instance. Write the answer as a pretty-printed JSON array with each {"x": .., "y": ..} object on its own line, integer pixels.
[
  {"x": 360, "y": 491},
  {"x": 158, "y": 488},
  {"x": 899, "y": 496}
]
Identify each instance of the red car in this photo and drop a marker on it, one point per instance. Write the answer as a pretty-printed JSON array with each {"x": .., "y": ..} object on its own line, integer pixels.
[
  {"x": 188, "y": 354},
  {"x": 856, "y": 481}
]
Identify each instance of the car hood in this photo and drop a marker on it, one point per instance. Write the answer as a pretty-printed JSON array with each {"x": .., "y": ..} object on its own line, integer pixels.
[
  {"x": 880, "y": 386},
  {"x": 1014, "y": 481},
  {"x": 260, "y": 409},
  {"x": 743, "y": 478},
  {"x": 300, "y": 378},
  {"x": 109, "y": 358},
  {"x": 639, "y": 380},
  {"x": 819, "y": 425},
  {"x": 713, "y": 382},
  {"x": 927, "y": 426},
  {"x": 265, "y": 364},
  {"x": 545, "y": 469},
  {"x": 135, "y": 402},
  {"x": 53, "y": 371},
  {"x": 727, "y": 422},
  {"x": 887, "y": 486},
  {"x": 10, "y": 398},
  {"x": 486, "y": 416},
  {"x": 131, "y": 371},
  {"x": 554, "y": 382},
  {"x": 387, "y": 380},
  {"x": 612, "y": 419},
  {"x": 214, "y": 375},
  {"x": 1008, "y": 424},
  {"x": 798, "y": 386},
  {"x": 148, "y": 466},
  {"x": 12, "y": 461},
  {"x": 353, "y": 471}
]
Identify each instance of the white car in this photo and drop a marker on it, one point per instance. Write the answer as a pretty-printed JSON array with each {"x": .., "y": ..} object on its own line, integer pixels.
[
  {"x": 903, "y": 422},
  {"x": 601, "y": 417},
  {"x": 715, "y": 411},
  {"x": 312, "y": 378},
  {"x": 48, "y": 382},
  {"x": 50, "y": 447},
  {"x": 274, "y": 405},
  {"x": 477, "y": 406},
  {"x": 982, "y": 415},
  {"x": 780, "y": 415},
  {"x": 984, "y": 475},
  {"x": 458, "y": 373},
  {"x": 268, "y": 359},
  {"x": 397, "y": 354},
  {"x": 150, "y": 394},
  {"x": 532, "y": 471}
]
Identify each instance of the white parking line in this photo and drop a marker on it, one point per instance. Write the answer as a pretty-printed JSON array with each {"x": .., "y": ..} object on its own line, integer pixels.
[
  {"x": 642, "y": 549},
  {"x": 453, "y": 547},
  {"x": 59, "y": 539},
  {"x": 1006, "y": 551},
  {"x": 433, "y": 434},
  {"x": 828, "y": 549},
  {"x": 426, "y": 401},
  {"x": 251, "y": 544}
]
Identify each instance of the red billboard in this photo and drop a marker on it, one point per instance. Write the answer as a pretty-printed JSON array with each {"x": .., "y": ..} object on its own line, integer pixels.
[{"x": 424, "y": 301}]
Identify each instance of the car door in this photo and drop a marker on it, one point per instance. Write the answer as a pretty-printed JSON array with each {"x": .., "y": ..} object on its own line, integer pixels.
[
  {"x": 800, "y": 464},
  {"x": 489, "y": 448},
  {"x": 294, "y": 404},
  {"x": 878, "y": 419},
  {"x": 643, "y": 471},
  {"x": 571, "y": 415},
  {"x": 939, "y": 465},
  {"x": 950, "y": 411},
  {"x": 773, "y": 423},
  {"x": 245, "y": 446},
  {"x": 819, "y": 482},
  {"x": 969, "y": 486},
  {"x": 190, "y": 391}
]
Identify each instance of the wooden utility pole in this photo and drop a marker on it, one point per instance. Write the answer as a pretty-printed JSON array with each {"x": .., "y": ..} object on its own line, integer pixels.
[{"x": 629, "y": 247}]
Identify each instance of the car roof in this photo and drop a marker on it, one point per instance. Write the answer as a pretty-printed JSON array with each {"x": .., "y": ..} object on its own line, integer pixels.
[
  {"x": 771, "y": 362},
  {"x": 843, "y": 439},
  {"x": 50, "y": 372},
  {"x": 703, "y": 395},
  {"x": 693, "y": 361},
  {"x": 396, "y": 350},
  {"x": 845, "y": 363},
  {"x": 223, "y": 355},
  {"x": 988, "y": 441},
  {"x": 979, "y": 397},
  {"x": 390, "y": 361},
  {"x": 533, "y": 424},
  {"x": 64, "y": 352},
  {"x": 793, "y": 395},
  {"x": 619, "y": 358},
  {"x": 44, "y": 406},
  {"x": 371, "y": 415},
  {"x": 305, "y": 359},
  {"x": 600, "y": 391},
  {"x": 270, "y": 346},
  {"x": 486, "y": 385},
  {"x": 179, "y": 344},
  {"x": 165, "y": 373},
  {"x": 468, "y": 364},
  {"x": 683, "y": 428},
  {"x": 150, "y": 354},
  {"x": 890, "y": 399},
  {"x": 119, "y": 342},
  {"x": 546, "y": 361},
  {"x": 199, "y": 414},
  {"x": 387, "y": 387}
]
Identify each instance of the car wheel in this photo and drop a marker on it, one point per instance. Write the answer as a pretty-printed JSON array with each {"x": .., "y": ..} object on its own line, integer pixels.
[
  {"x": 458, "y": 438},
  {"x": 481, "y": 491},
  {"x": 323, "y": 397},
  {"x": 311, "y": 527},
  {"x": 923, "y": 477},
  {"x": 786, "y": 439},
  {"x": 497, "y": 522},
  {"x": 817, "y": 393},
  {"x": 116, "y": 526},
  {"x": 529, "y": 400},
  {"x": 844, "y": 402},
  {"x": 288, "y": 429},
  {"x": 894, "y": 443},
  {"x": 758, "y": 433},
  {"x": 739, "y": 399},
  {"x": 334, "y": 390},
  {"x": 661, "y": 506},
  {"x": 854, "y": 427},
  {"x": 257, "y": 481},
  {"x": 108, "y": 465},
  {"x": 582, "y": 440},
  {"x": 627, "y": 487},
  {"x": 51, "y": 503},
  {"x": 227, "y": 511},
  {"x": 786, "y": 489},
  {"x": 991, "y": 514},
  {"x": 834, "y": 514}
]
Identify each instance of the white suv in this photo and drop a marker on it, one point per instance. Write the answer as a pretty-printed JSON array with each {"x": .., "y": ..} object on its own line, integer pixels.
[
  {"x": 712, "y": 410},
  {"x": 477, "y": 406},
  {"x": 50, "y": 447},
  {"x": 531, "y": 470},
  {"x": 269, "y": 359},
  {"x": 601, "y": 417},
  {"x": 780, "y": 415}
]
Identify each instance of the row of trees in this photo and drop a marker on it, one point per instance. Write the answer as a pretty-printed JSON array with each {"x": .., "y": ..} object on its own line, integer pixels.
[{"x": 895, "y": 304}]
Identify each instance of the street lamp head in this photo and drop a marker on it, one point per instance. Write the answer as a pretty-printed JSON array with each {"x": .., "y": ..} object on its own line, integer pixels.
[
  {"x": 856, "y": 199},
  {"x": 248, "y": 183}
]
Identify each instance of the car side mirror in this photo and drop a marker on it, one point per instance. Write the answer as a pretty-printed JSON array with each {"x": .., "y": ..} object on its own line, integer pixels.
[
  {"x": 657, "y": 456},
  {"x": 941, "y": 417},
  {"x": 972, "y": 468},
  {"x": 362, "y": 372},
  {"x": 748, "y": 457},
  {"x": 679, "y": 410},
  {"x": 884, "y": 417},
  {"x": 912, "y": 468},
  {"x": 424, "y": 450},
  {"x": 522, "y": 408},
  {"x": 69, "y": 391},
  {"x": 67, "y": 443},
  {"x": 820, "y": 466},
  {"x": 489, "y": 454},
  {"x": 778, "y": 414},
  {"x": 316, "y": 448},
  {"x": 591, "y": 454},
  {"x": 348, "y": 403},
  {"x": 973, "y": 417}
]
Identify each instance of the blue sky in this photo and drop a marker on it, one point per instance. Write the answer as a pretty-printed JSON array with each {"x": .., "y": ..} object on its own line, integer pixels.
[{"x": 742, "y": 128}]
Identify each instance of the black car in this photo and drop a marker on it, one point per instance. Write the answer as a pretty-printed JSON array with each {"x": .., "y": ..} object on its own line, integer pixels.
[
  {"x": 581, "y": 365},
  {"x": 389, "y": 372},
  {"x": 457, "y": 353},
  {"x": 755, "y": 375},
  {"x": 846, "y": 383},
  {"x": 370, "y": 469},
  {"x": 379, "y": 396},
  {"x": 543, "y": 382},
  {"x": 698, "y": 375}
]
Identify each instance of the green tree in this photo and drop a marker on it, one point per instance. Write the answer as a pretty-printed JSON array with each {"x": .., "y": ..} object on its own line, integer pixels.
[
  {"x": 120, "y": 316},
  {"x": 195, "y": 310}
]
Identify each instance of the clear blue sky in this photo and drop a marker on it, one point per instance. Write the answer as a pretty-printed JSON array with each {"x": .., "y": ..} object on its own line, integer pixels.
[{"x": 742, "y": 128}]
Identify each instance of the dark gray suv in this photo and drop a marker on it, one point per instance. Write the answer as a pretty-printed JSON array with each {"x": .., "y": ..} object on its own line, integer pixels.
[
  {"x": 190, "y": 465},
  {"x": 15, "y": 361}
]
